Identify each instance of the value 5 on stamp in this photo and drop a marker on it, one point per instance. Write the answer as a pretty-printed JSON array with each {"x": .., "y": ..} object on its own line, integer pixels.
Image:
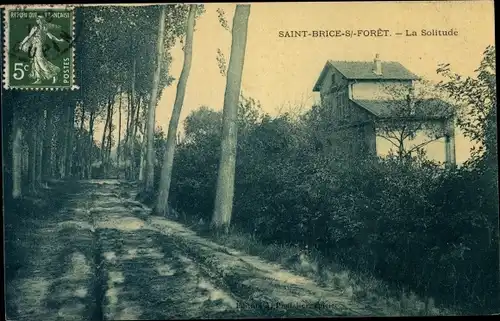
[{"x": 39, "y": 48}]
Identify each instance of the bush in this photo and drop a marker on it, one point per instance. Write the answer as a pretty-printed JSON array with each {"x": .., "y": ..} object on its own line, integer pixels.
[{"x": 409, "y": 222}]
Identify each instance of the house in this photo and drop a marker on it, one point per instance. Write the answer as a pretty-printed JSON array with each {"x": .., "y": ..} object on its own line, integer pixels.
[{"x": 369, "y": 99}]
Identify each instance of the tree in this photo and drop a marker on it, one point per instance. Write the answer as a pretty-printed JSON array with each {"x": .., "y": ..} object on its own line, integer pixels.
[
  {"x": 90, "y": 144},
  {"x": 17, "y": 155},
  {"x": 110, "y": 138},
  {"x": 109, "y": 116},
  {"x": 168, "y": 159},
  {"x": 202, "y": 123},
  {"x": 225, "y": 180},
  {"x": 412, "y": 111},
  {"x": 133, "y": 140},
  {"x": 41, "y": 132},
  {"x": 478, "y": 122},
  {"x": 130, "y": 130},
  {"x": 477, "y": 97},
  {"x": 152, "y": 105},
  {"x": 47, "y": 145},
  {"x": 118, "y": 148}
]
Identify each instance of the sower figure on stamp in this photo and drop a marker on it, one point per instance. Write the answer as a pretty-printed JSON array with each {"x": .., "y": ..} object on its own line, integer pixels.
[{"x": 41, "y": 68}]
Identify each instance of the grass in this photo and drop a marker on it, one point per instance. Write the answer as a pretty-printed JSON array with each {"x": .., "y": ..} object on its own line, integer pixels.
[{"x": 326, "y": 272}]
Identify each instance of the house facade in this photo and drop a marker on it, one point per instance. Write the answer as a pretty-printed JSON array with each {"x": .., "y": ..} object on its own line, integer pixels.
[{"x": 362, "y": 96}]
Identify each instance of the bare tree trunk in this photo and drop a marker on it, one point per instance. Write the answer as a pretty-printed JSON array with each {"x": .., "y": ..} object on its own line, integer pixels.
[
  {"x": 17, "y": 156},
  {"x": 168, "y": 159},
  {"x": 143, "y": 153},
  {"x": 32, "y": 151},
  {"x": 81, "y": 144},
  {"x": 70, "y": 138},
  {"x": 41, "y": 132},
  {"x": 137, "y": 119},
  {"x": 110, "y": 131},
  {"x": 152, "y": 105},
  {"x": 63, "y": 135},
  {"x": 82, "y": 118},
  {"x": 141, "y": 163},
  {"x": 47, "y": 146},
  {"x": 225, "y": 180},
  {"x": 26, "y": 156},
  {"x": 103, "y": 141},
  {"x": 118, "y": 151},
  {"x": 133, "y": 165},
  {"x": 127, "y": 131},
  {"x": 131, "y": 140},
  {"x": 91, "y": 144}
]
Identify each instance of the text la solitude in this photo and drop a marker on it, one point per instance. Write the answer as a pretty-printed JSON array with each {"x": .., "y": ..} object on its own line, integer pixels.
[{"x": 432, "y": 32}]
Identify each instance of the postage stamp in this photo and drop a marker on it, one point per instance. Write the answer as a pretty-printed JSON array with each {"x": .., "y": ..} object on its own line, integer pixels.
[{"x": 39, "y": 48}]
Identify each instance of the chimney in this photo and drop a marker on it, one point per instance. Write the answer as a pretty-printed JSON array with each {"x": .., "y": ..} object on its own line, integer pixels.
[{"x": 377, "y": 65}]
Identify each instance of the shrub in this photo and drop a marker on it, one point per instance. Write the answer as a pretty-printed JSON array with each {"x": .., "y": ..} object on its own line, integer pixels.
[{"x": 409, "y": 222}]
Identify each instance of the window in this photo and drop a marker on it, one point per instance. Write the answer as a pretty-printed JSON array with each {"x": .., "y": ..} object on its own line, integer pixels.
[
  {"x": 341, "y": 99},
  {"x": 333, "y": 85}
]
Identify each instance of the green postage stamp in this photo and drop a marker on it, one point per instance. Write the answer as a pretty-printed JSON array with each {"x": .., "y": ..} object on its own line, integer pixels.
[{"x": 39, "y": 48}]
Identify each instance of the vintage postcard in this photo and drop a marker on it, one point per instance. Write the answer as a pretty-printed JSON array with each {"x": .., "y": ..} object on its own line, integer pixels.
[{"x": 243, "y": 160}]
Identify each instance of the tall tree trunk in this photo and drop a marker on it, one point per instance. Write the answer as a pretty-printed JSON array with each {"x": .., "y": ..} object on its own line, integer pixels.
[
  {"x": 118, "y": 151},
  {"x": 168, "y": 158},
  {"x": 25, "y": 157},
  {"x": 63, "y": 135},
  {"x": 82, "y": 118},
  {"x": 127, "y": 132},
  {"x": 32, "y": 151},
  {"x": 47, "y": 146},
  {"x": 41, "y": 132},
  {"x": 152, "y": 104},
  {"x": 17, "y": 156},
  {"x": 141, "y": 163},
  {"x": 90, "y": 144},
  {"x": 225, "y": 180},
  {"x": 103, "y": 141},
  {"x": 81, "y": 144},
  {"x": 133, "y": 165},
  {"x": 131, "y": 140},
  {"x": 110, "y": 131},
  {"x": 70, "y": 138},
  {"x": 137, "y": 119}
]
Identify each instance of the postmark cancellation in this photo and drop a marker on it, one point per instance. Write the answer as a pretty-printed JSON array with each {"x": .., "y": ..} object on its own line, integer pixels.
[{"x": 39, "y": 48}]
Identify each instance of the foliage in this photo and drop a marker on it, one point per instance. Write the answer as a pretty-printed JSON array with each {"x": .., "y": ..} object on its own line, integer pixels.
[
  {"x": 478, "y": 99},
  {"x": 221, "y": 59},
  {"x": 411, "y": 223},
  {"x": 221, "y": 15},
  {"x": 221, "y": 63}
]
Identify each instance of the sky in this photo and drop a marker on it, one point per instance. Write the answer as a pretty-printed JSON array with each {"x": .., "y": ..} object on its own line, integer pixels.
[{"x": 281, "y": 71}]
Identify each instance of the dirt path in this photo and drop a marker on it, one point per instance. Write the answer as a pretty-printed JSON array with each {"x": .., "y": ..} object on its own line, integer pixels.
[
  {"x": 104, "y": 257},
  {"x": 54, "y": 279}
]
